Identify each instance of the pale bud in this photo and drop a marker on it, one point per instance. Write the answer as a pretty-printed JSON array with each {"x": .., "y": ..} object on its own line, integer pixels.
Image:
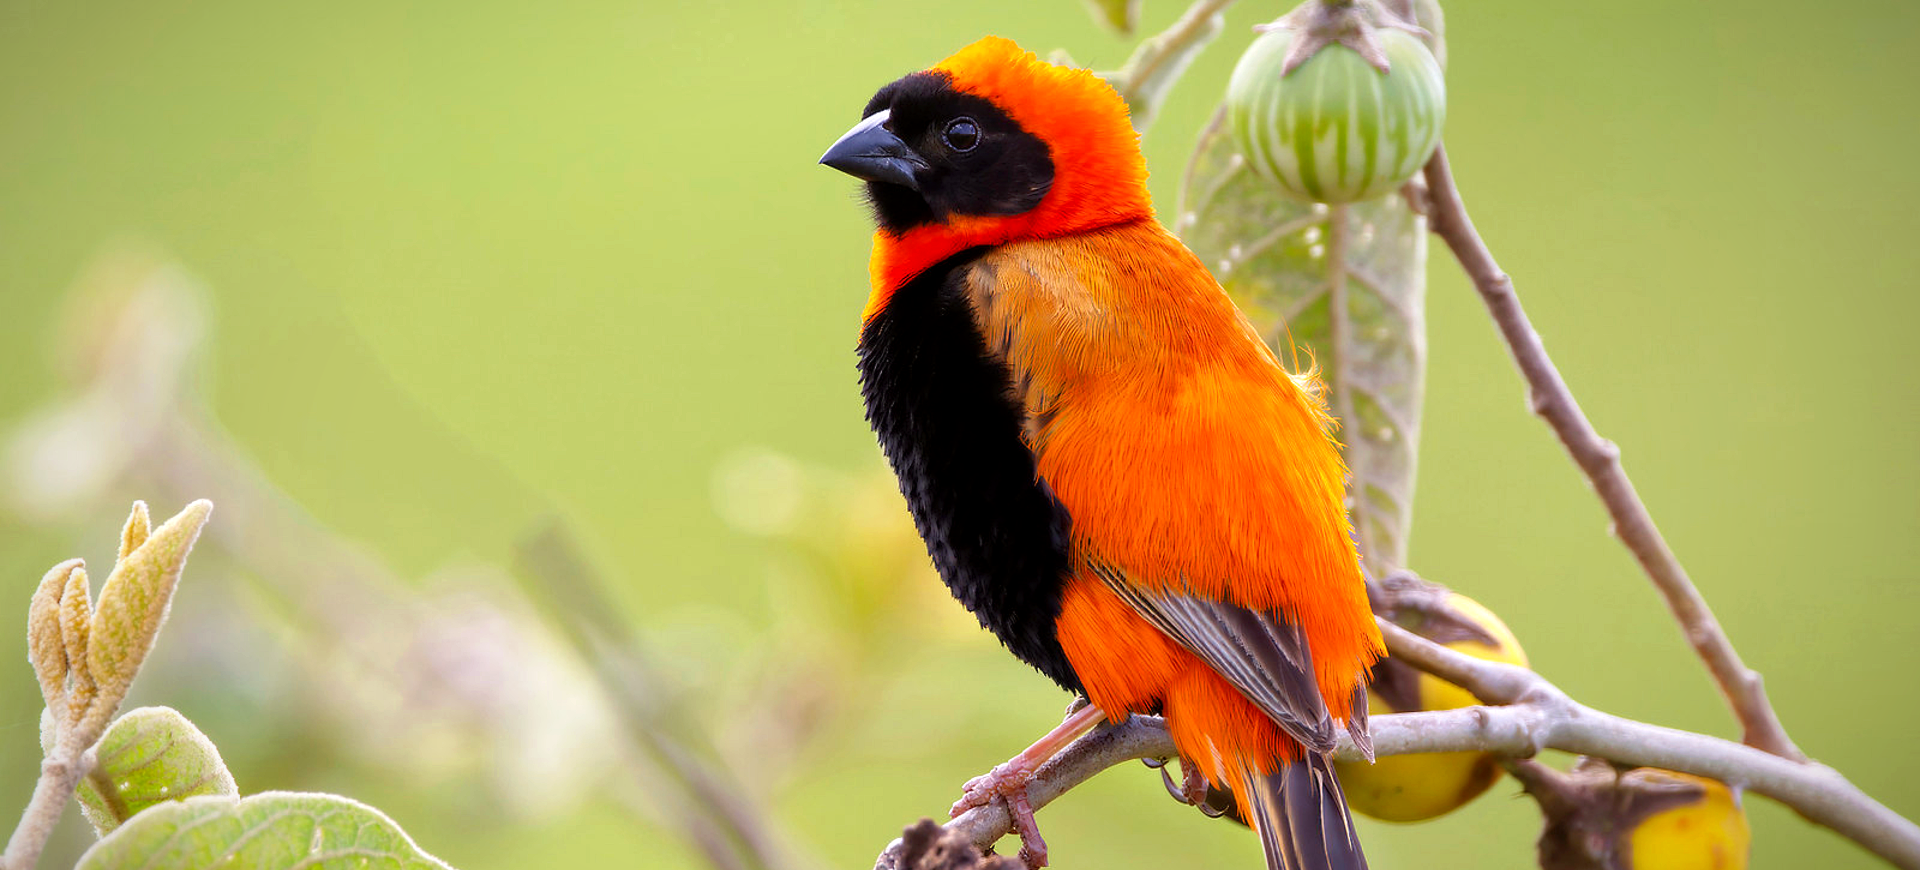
[
  {"x": 46, "y": 648},
  {"x": 134, "y": 601}
]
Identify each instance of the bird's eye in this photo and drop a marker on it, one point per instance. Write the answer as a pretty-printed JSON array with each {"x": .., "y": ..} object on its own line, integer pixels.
[{"x": 962, "y": 134}]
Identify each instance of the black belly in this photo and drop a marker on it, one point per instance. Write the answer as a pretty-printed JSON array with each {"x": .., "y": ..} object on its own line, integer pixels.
[{"x": 944, "y": 411}]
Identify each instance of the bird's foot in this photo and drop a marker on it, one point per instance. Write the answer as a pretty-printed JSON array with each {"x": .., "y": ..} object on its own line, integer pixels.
[
  {"x": 1193, "y": 788},
  {"x": 1008, "y": 782}
]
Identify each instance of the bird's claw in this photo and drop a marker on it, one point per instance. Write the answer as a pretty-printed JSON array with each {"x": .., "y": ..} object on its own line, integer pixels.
[
  {"x": 1008, "y": 783},
  {"x": 1192, "y": 789}
]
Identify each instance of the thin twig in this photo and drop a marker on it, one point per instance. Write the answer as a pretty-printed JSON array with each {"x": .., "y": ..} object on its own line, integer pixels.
[
  {"x": 1339, "y": 373},
  {"x": 719, "y": 819},
  {"x": 1600, "y": 459},
  {"x": 1535, "y": 715},
  {"x": 1160, "y": 60}
]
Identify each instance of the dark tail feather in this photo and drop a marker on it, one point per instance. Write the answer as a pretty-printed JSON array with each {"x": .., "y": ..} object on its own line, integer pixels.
[{"x": 1302, "y": 818}]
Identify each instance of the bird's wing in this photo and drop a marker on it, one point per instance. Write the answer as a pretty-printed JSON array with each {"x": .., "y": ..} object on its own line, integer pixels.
[{"x": 1260, "y": 653}]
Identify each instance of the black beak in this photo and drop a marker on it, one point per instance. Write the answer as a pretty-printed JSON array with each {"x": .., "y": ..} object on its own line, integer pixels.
[{"x": 871, "y": 151}]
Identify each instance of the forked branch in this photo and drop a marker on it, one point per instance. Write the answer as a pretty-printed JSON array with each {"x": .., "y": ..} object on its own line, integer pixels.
[{"x": 1531, "y": 714}]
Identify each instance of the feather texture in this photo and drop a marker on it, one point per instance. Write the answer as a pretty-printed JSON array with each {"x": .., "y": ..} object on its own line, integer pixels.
[{"x": 1109, "y": 466}]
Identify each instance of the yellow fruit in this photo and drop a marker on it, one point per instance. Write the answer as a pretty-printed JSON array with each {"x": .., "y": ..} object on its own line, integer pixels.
[
  {"x": 1412, "y": 788},
  {"x": 1603, "y": 817},
  {"x": 1710, "y": 833}
]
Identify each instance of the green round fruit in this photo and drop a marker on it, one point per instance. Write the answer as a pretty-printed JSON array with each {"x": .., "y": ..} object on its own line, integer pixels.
[{"x": 1337, "y": 130}]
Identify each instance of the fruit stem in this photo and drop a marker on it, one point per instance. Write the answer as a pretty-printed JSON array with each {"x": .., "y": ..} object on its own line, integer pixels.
[{"x": 1347, "y": 22}]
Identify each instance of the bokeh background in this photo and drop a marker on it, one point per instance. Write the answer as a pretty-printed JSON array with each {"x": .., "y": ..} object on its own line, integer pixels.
[{"x": 398, "y": 284}]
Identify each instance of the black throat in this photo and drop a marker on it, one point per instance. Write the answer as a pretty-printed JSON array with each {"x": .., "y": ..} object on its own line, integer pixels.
[{"x": 944, "y": 412}]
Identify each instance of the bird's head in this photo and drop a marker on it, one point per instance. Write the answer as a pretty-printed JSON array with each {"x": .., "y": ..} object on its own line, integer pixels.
[{"x": 991, "y": 145}]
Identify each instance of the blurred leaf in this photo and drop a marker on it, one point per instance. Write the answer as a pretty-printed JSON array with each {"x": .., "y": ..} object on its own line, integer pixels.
[
  {"x": 150, "y": 756},
  {"x": 1160, "y": 60},
  {"x": 1347, "y": 286},
  {"x": 269, "y": 831},
  {"x": 1121, "y": 15}
]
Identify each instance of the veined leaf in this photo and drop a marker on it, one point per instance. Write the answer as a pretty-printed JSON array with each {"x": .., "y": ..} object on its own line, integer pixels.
[
  {"x": 269, "y": 831},
  {"x": 149, "y": 756},
  {"x": 1346, "y": 287}
]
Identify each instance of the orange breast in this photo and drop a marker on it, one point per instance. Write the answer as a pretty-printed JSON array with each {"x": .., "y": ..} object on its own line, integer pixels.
[{"x": 1186, "y": 456}]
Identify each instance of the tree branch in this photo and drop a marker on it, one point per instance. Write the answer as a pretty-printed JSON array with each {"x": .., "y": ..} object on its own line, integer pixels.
[
  {"x": 1109, "y": 745},
  {"x": 1535, "y": 715},
  {"x": 1550, "y": 398},
  {"x": 60, "y": 774},
  {"x": 1541, "y": 716}
]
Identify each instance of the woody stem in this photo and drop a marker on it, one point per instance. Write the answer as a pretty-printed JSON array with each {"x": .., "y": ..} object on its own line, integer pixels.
[{"x": 1599, "y": 459}]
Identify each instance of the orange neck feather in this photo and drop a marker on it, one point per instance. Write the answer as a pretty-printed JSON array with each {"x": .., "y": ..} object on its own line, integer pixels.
[{"x": 1099, "y": 175}]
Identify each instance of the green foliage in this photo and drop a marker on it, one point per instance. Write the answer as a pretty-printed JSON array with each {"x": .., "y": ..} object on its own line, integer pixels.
[
  {"x": 147, "y": 757},
  {"x": 1158, "y": 63},
  {"x": 1346, "y": 286},
  {"x": 157, "y": 791},
  {"x": 268, "y": 831},
  {"x": 1121, "y": 15}
]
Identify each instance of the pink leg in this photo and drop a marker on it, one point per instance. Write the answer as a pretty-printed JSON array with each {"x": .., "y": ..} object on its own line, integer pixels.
[{"x": 1008, "y": 782}]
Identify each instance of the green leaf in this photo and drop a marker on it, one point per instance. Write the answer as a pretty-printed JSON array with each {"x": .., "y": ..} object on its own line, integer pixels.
[
  {"x": 150, "y": 756},
  {"x": 1121, "y": 15},
  {"x": 269, "y": 831},
  {"x": 1346, "y": 286}
]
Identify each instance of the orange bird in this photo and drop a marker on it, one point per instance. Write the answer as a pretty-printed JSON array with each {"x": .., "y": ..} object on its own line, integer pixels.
[{"x": 1109, "y": 467}]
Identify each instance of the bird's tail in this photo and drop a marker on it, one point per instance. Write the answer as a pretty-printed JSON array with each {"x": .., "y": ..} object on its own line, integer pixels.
[{"x": 1301, "y": 817}]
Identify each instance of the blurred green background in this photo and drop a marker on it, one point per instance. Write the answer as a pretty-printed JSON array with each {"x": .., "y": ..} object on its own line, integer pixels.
[{"x": 472, "y": 265}]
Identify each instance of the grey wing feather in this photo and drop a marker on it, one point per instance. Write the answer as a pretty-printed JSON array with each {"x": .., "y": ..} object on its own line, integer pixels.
[
  {"x": 1303, "y": 819},
  {"x": 1357, "y": 721},
  {"x": 1261, "y": 654}
]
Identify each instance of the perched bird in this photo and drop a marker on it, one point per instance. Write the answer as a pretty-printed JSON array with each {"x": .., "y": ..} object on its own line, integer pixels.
[{"x": 1109, "y": 467}]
